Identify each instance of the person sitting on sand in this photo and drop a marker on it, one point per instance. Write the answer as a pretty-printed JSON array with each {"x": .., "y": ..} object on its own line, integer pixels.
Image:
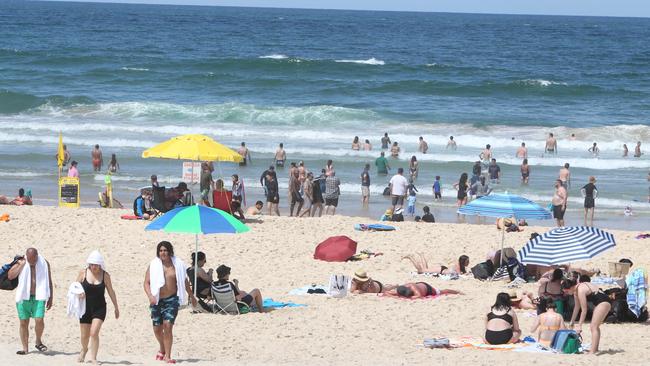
[
  {"x": 547, "y": 324},
  {"x": 21, "y": 200},
  {"x": 421, "y": 265},
  {"x": 255, "y": 210},
  {"x": 501, "y": 324},
  {"x": 223, "y": 277},
  {"x": 363, "y": 284},
  {"x": 203, "y": 278},
  {"x": 419, "y": 290}
]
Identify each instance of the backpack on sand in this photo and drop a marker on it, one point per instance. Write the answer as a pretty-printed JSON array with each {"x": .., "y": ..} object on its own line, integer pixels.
[
  {"x": 339, "y": 285},
  {"x": 5, "y": 283}
]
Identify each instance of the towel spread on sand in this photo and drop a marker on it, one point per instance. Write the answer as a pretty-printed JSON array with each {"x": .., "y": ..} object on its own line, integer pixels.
[
  {"x": 269, "y": 303},
  {"x": 373, "y": 227},
  {"x": 157, "y": 278},
  {"x": 76, "y": 305},
  {"x": 636, "y": 291},
  {"x": 42, "y": 291}
]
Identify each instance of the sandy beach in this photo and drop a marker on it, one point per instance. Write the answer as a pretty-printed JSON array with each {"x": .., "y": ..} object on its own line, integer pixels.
[{"x": 276, "y": 256}]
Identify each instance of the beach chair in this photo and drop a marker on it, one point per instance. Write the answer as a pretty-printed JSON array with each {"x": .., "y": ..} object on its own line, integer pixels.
[
  {"x": 225, "y": 301},
  {"x": 222, "y": 201},
  {"x": 158, "y": 202},
  {"x": 206, "y": 302}
]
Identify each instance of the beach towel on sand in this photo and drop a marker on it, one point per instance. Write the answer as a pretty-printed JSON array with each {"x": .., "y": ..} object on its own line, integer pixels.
[
  {"x": 373, "y": 227},
  {"x": 310, "y": 290},
  {"x": 157, "y": 278},
  {"x": 42, "y": 291},
  {"x": 269, "y": 303}
]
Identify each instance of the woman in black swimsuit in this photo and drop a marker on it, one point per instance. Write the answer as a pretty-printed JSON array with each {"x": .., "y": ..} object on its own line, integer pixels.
[
  {"x": 584, "y": 292},
  {"x": 462, "y": 186},
  {"x": 363, "y": 284},
  {"x": 95, "y": 282},
  {"x": 501, "y": 324}
]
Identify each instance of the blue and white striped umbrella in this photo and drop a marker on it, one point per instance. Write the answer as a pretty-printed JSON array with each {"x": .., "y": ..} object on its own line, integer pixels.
[
  {"x": 566, "y": 245},
  {"x": 505, "y": 205}
]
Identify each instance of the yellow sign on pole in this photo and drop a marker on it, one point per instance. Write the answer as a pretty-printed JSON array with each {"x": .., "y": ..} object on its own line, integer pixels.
[{"x": 69, "y": 192}]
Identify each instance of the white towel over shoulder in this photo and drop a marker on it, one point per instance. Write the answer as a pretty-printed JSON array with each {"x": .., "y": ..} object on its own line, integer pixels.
[
  {"x": 157, "y": 278},
  {"x": 76, "y": 305},
  {"x": 42, "y": 291}
]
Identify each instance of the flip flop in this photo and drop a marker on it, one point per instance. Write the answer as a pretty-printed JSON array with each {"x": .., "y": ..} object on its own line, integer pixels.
[
  {"x": 171, "y": 361},
  {"x": 41, "y": 347},
  {"x": 22, "y": 353},
  {"x": 160, "y": 356}
]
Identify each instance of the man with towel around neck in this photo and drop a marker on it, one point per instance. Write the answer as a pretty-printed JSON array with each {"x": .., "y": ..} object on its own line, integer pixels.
[
  {"x": 33, "y": 295},
  {"x": 166, "y": 284}
]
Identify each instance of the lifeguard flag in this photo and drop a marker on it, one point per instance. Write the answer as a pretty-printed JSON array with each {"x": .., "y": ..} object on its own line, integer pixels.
[{"x": 60, "y": 154}]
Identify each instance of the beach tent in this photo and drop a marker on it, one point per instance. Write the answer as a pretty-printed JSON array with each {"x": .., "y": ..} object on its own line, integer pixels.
[
  {"x": 504, "y": 205},
  {"x": 197, "y": 220},
  {"x": 336, "y": 249},
  {"x": 566, "y": 245}
]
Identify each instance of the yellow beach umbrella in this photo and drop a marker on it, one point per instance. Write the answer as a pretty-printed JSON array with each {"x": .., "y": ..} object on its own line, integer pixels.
[{"x": 193, "y": 147}]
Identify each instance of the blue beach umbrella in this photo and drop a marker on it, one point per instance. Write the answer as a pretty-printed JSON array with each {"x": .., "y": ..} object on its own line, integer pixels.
[
  {"x": 504, "y": 205},
  {"x": 197, "y": 220},
  {"x": 566, "y": 245}
]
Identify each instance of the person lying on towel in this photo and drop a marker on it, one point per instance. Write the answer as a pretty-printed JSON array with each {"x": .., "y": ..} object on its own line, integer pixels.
[{"x": 419, "y": 290}]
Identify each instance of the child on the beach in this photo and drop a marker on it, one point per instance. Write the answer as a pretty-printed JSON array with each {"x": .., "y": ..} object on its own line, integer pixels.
[
  {"x": 410, "y": 203},
  {"x": 437, "y": 189}
]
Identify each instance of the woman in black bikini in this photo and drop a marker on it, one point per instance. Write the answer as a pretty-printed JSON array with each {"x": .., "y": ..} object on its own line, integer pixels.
[
  {"x": 584, "y": 292},
  {"x": 422, "y": 266},
  {"x": 501, "y": 324},
  {"x": 95, "y": 281},
  {"x": 363, "y": 284},
  {"x": 419, "y": 290}
]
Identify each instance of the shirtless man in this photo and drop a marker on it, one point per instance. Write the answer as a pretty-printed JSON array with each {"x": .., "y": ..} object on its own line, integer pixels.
[
  {"x": 32, "y": 304},
  {"x": 551, "y": 144},
  {"x": 385, "y": 141},
  {"x": 245, "y": 153},
  {"x": 98, "y": 159},
  {"x": 637, "y": 150},
  {"x": 280, "y": 156},
  {"x": 565, "y": 176},
  {"x": 559, "y": 202},
  {"x": 451, "y": 144},
  {"x": 423, "y": 147},
  {"x": 166, "y": 293},
  {"x": 522, "y": 151},
  {"x": 486, "y": 156}
]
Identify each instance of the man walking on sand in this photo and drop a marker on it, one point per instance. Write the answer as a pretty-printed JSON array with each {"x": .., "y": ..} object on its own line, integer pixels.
[
  {"x": 559, "y": 203},
  {"x": 33, "y": 295},
  {"x": 166, "y": 285}
]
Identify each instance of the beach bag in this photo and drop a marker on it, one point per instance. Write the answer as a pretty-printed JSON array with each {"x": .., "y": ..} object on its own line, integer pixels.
[
  {"x": 339, "y": 285},
  {"x": 483, "y": 271},
  {"x": 5, "y": 282},
  {"x": 501, "y": 274},
  {"x": 566, "y": 341}
]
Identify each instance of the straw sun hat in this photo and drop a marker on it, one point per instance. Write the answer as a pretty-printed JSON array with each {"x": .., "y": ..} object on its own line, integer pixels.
[
  {"x": 361, "y": 275},
  {"x": 513, "y": 295}
]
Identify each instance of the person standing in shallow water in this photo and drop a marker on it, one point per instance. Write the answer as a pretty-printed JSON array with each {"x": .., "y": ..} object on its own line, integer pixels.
[
  {"x": 98, "y": 159},
  {"x": 590, "y": 192},
  {"x": 385, "y": 141}
]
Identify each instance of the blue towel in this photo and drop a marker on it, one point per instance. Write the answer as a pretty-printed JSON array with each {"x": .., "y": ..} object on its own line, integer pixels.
[
  {"x": 269, "y": 303},
  {"x": 636, "y": 291}
]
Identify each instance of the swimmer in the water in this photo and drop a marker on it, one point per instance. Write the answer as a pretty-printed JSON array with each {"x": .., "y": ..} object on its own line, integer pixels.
[
  {"x": 551, "y": 144},
  {"x": 451, "y": 144}
]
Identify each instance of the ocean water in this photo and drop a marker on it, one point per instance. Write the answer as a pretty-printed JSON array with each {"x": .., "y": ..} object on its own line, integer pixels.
[{"x": 129, "y": 76}]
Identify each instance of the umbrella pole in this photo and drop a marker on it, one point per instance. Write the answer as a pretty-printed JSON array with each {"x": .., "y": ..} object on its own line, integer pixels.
[
  {"x": 196, "y": 261},
  {"x": 503, "y": 239}
]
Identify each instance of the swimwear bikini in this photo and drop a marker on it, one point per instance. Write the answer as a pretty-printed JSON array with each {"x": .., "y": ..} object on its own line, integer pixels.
[
  {"x": 499, "y": 336},
  {"x": 381, "y": 287},
  {"x": 430, "y": 290},
  {"x": 543, "y": 328},
  {"x": 597, "y": 298}
]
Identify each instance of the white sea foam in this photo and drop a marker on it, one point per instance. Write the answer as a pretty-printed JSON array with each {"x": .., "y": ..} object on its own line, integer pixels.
[
  {"x": 540, "y": 82},
  {"x": 22, "y": 174},
  {"x": 275, "y": 56},
  {"x": 53, "y": 139},
  {"x": 370, "y": 61},
  {"x": 134, "y": 69}
]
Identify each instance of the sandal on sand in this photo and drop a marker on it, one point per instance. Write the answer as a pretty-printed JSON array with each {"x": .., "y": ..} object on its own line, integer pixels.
[
  {"x": 22, "y": 353},
  {"x": 160, "y": 356},
  {"x": 41, "y": 347}
]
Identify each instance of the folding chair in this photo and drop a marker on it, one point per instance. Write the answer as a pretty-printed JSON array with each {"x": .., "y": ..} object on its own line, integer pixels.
[
  {"x": 206, "y": 302},
  {"x": 225, "y": 301},
  {"x": 158, "y": 202}
]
